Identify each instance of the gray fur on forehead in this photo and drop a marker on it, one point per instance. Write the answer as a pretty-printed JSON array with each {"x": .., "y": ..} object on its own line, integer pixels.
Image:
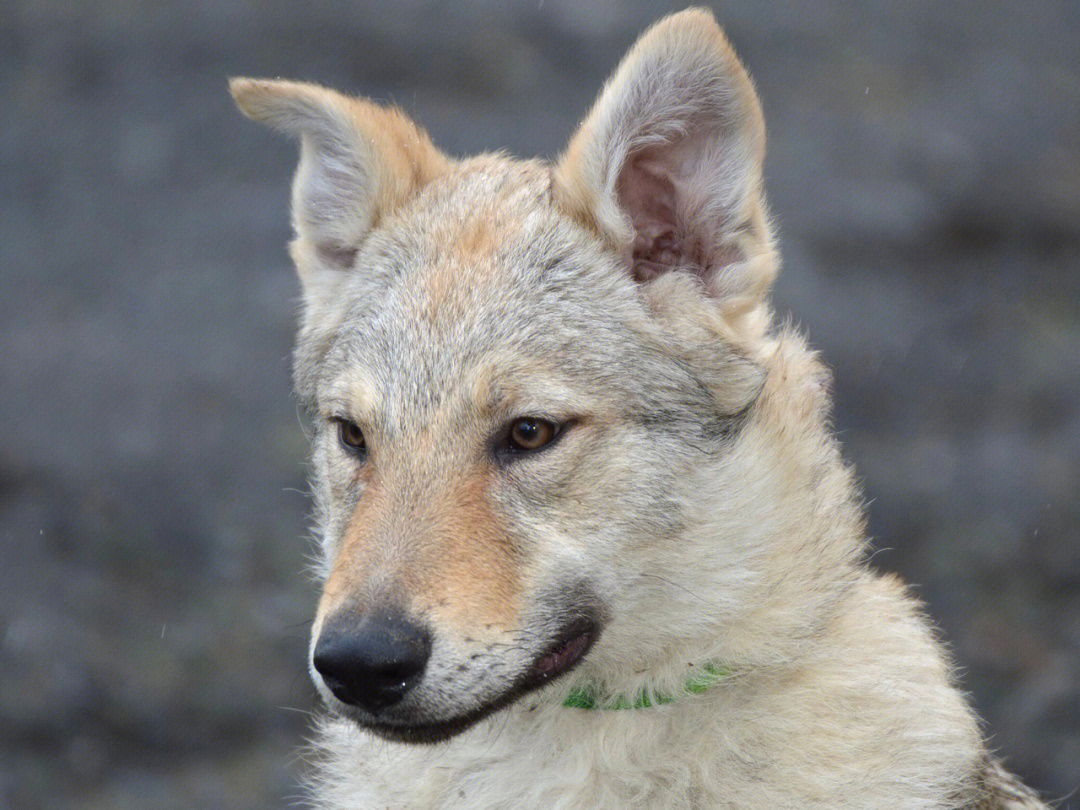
[{"x": 418, "y": 315}]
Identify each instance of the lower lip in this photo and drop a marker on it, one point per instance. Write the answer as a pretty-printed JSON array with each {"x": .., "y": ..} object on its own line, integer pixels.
[{"x": 557, "y": 662}]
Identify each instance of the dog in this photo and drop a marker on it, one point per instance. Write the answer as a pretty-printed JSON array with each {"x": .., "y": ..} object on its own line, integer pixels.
[{"x": 587, "y": 540}]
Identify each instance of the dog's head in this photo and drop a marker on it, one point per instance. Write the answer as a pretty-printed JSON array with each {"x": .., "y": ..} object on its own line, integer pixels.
[{"x": 529, "y": 383}]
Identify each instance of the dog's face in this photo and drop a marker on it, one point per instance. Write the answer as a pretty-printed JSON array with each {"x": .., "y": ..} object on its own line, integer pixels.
[{"x": 516, "y": 372}]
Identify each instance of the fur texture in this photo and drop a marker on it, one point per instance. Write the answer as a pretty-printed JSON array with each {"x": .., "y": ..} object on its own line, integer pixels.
[{"x": 693, "y": 510}]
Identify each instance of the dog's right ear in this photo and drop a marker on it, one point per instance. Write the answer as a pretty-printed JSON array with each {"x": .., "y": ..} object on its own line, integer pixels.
[
  {"x": 667, "y": 167},
  {"x": 358, "y": 163}
]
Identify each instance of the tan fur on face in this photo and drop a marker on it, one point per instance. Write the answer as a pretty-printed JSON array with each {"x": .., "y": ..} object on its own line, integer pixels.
[
  {"x": 467, "y": 263},
  {"x": 450, "y": 282},
  {"x": 476, "y": 240},
  {"x": 447, "y": 556},
  {"x": 471, "y": 579}
]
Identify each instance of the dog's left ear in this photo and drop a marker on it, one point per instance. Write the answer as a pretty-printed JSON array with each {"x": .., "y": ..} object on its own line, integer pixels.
[{"x": 667, "y": 166}]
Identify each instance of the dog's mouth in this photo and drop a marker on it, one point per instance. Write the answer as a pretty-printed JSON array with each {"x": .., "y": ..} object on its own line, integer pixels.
[
  {"x": 566, "y": 652},
  {"x": 570, "y": 647}
]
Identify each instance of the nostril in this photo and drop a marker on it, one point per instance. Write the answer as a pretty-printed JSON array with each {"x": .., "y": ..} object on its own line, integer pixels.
[
  {"x": 372, "y": 665},
  {"x": 336, "y": 686}
]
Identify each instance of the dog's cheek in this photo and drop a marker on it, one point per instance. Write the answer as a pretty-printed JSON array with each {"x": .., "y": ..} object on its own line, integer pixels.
[
  {"x": 326, "y": 514},
  {"x": 337, "y": 486},
  {"x": 614, "y": 488}
]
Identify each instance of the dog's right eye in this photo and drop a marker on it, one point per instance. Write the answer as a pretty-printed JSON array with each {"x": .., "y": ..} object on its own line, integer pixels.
[{"x": 351, "y": 436}]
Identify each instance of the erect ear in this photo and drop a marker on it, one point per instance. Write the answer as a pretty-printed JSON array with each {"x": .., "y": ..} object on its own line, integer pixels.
[
  {"x": 667, "y": 165},
  {"x": 358, "y": 163}
]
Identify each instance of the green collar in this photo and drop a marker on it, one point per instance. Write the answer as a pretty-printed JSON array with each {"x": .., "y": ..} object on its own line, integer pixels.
[{"x": 590, "y": 697}]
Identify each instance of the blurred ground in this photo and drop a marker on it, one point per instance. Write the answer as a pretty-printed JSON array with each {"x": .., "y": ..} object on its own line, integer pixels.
[{"x": 924, "y": 169}]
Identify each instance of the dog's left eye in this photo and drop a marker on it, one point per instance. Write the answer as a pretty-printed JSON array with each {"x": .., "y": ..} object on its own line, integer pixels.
[{"x": 530, "y": 434}]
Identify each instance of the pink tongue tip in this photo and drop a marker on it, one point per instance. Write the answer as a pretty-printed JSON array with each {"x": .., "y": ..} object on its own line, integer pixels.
[{"x": 554, "y": 663}]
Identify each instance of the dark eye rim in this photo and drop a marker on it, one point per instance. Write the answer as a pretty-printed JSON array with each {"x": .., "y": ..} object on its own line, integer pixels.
[
  {"x": 341, "y": 425},
  {"x": 507, "y": 449}
]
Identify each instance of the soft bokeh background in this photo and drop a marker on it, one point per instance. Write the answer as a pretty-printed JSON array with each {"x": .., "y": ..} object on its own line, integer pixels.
[{"x": 924, "y": 170}]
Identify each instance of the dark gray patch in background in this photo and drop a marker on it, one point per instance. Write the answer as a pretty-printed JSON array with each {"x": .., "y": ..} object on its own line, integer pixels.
[{"x": 924, "y": 169}]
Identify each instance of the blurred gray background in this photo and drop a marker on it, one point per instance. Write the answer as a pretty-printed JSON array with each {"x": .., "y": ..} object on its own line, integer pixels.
[{"x": 924, "y": 170}]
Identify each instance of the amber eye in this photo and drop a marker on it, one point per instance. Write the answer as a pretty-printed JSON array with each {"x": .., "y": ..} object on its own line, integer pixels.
[
  {"x": 531, "y": 434},
  {"x": 351, "y": 436}
]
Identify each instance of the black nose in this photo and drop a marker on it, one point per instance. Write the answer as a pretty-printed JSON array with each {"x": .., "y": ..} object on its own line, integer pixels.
[{"x": 374, "y": 664}]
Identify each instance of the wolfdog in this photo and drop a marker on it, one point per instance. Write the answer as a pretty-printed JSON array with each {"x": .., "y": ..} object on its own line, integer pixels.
[{"x": 587, "y": 540}]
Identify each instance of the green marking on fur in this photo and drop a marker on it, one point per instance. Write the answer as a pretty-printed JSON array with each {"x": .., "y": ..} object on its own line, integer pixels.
[{"x": 589, "y": 697}]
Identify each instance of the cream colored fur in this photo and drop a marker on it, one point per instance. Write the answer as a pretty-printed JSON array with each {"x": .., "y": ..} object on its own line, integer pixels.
[{"x": 698, "y": 497}]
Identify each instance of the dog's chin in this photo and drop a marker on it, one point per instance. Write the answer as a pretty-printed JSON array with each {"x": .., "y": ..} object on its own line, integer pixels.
[{"x": 559, "y": 658}]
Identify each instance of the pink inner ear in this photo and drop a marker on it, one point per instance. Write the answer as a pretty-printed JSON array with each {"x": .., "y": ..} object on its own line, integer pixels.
[{"x": 661, "y": 243}]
